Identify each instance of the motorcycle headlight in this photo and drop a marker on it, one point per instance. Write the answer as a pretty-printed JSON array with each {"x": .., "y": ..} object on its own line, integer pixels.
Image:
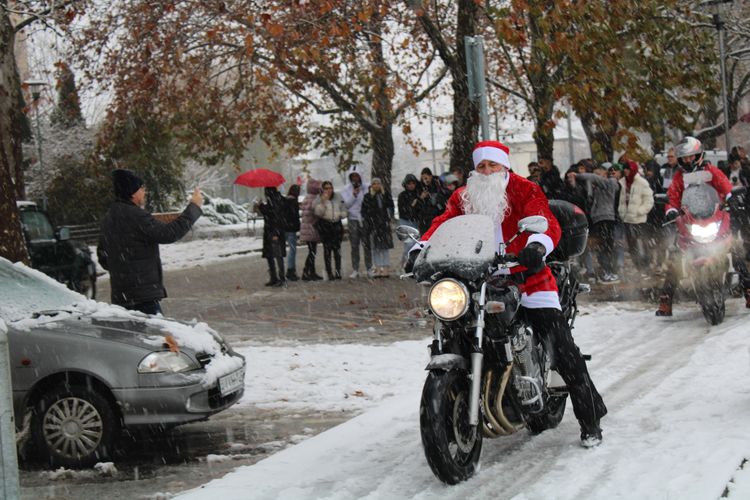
[
  {"x": 166, "y": 361},
  {"x": 448, "y": 299},
  {"x": 704, "y": 234}
]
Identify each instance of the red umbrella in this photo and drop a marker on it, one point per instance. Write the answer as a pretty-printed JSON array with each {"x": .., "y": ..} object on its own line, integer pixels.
[{"x": 260, "y": 177}]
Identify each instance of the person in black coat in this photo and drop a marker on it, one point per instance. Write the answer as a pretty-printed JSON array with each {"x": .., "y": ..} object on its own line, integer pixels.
[
  {"x": 274, "y": 234},
  {"x": 377, "y": 212},
  {"x": 129, "y": 243},
  {"x": 431, "y": 195},
  {"x": 409, "y": 206},
  {"x": 292, "y": 224},
  {"x": 551, "y": 182}
]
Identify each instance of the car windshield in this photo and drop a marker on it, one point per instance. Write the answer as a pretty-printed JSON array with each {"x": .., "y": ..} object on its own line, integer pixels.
[
  {"x": 24, "y": 291},
  {"x": 37, "y": 226}
]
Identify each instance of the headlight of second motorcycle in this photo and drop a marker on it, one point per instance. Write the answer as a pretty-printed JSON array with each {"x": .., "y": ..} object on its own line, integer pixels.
[
  {"x": 448, "y": 299},
  {"x": 704, "y": 234}
]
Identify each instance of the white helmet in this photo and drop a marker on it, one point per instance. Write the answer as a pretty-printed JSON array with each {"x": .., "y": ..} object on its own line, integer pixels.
[{"x": 690, "y": 146}]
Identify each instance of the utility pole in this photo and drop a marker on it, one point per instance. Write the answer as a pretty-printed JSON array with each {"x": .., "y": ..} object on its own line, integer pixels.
[
  {"x": 432, "y": 137},
  {"x": 719, "y": 23},
  {"x": 9, "y": 486},
  {"x": 475, "y": 74},
  {"x": 570, "y": 135}
]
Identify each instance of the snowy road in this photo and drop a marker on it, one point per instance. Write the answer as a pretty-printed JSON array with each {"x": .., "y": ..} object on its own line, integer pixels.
[{"x": 678, "y": 423}]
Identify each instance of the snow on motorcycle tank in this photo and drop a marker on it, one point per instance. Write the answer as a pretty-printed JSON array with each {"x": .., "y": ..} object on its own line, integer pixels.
[
  {"x": 463, "y": 247},
  {"x": 700, "y": 200}
]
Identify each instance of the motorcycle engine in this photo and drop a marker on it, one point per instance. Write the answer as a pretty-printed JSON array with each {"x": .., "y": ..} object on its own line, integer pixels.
[{"x": 527, "y": 369}]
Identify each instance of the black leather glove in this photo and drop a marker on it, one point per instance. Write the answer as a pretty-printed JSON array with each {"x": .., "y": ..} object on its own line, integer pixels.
[
  {"x": 413, "y": 254},
  {"x": 532, "y": 257},
  {"x": 672, "y": 215}
]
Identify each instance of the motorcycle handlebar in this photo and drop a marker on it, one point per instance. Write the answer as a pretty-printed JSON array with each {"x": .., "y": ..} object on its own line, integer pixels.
[{"x": 508, "y": 260}]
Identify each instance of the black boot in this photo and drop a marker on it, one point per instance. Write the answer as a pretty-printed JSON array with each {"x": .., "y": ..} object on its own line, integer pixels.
[
  {"x": 291, "y": 275},
  {"x": 591, "y": 434},
  {"x": 665, "y": 306},
  {"x": 272, "y": 273}
]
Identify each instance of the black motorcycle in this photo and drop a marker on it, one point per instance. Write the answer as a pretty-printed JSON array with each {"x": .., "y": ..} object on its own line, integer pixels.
[{"x": 490, "y": 375}]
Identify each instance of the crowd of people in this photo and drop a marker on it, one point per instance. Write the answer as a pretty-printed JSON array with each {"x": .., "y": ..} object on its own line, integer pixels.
[
  {"x": 618, "y": 199},
  {"x": 369, "y": 211}
]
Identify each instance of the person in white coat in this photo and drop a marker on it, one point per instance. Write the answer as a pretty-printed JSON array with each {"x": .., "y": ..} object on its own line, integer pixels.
[
  {"x": 353, "y": 194},
  {"x": 636, "y": 201}
]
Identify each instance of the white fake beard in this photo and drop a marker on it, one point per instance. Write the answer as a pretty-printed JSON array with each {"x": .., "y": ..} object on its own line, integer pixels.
[{"x": 486, "y": 195}]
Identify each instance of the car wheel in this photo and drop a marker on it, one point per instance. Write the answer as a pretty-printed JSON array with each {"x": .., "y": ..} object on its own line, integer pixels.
[{"x": 74, "y": 426}]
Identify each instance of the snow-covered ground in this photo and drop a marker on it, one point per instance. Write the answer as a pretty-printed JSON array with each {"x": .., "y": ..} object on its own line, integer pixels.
[
  {"x": 200, "y": 252},
  {"x": 678, "y": 423}
]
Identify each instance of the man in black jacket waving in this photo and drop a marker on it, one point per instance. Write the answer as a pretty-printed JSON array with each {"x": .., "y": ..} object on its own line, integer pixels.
[{"x": 129, "y": 243}]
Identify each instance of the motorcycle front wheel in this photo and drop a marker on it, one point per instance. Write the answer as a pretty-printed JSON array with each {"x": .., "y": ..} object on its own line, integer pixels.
[
  {"x": 712, "y": 303},
  {"x": 451, "y": 445}
]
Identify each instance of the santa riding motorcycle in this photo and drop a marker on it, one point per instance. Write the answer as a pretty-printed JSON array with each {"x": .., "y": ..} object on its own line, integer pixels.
[
  {"x": 696, "y": 175},
  {"x": 492, "y": 190}
]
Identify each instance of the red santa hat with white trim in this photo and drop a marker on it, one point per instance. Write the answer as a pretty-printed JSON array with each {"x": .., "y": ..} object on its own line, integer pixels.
[{"x": 491, "y": 150}]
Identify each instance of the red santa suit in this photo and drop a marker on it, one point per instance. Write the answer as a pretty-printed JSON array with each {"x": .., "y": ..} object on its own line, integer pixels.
[
  {"x": 708, "y": 174},
  {"x": 525, "y": 198}
]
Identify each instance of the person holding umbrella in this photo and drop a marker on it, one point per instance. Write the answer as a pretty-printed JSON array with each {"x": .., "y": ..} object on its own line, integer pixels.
[
  {"x": 274, "y": 234},
  {"x": 274, "y": 221}
]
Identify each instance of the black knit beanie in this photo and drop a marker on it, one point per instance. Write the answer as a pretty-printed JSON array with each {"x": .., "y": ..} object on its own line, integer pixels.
[{"x": 126, "y": 183}]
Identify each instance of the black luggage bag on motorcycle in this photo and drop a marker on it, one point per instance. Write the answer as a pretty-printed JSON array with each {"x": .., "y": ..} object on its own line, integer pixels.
[{"x": 575, "y": 230}]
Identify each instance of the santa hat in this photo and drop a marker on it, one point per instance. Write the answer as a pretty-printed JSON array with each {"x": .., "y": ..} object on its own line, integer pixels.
[{"x": 493, "y": 151}]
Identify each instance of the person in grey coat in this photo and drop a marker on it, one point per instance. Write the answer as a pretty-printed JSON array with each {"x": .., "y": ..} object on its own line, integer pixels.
[
  {"x": 307, "y": 231},
  {"x": 129, "y": 243},
  {"x": 602, "y": 212}
]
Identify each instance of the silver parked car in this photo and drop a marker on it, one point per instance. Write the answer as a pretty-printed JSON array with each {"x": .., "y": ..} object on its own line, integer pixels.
[{"x": 84, "y": 370}]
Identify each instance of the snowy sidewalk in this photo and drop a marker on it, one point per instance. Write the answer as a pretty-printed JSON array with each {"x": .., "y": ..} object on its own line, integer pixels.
[{"x": 678, "y": 426}]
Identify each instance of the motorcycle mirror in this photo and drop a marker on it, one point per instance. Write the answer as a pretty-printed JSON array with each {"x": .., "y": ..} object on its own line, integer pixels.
[
  {"x": 661, "y": 199},
  {"x": 533, "y": 224},
  {"x": 404, "y": 233}
]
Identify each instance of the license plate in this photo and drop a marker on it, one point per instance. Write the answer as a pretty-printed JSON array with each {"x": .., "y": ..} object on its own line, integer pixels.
[{"x": 230, "y": 383}]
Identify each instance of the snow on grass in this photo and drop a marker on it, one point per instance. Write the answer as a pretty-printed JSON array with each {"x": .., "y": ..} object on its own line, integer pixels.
[
  {"x": 182, "y": 255},
  {"x": 330, "y": 377}
]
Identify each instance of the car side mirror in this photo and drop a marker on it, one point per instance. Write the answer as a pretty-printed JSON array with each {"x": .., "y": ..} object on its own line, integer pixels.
[
  {"x": 62, "y": 233},
  {"x": 404, "y": 233},
  {"x": 533, "y": 224}
]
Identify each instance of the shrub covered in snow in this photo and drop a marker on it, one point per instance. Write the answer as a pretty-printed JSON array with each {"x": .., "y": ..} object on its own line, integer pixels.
[{"x": 223, "y": 211}]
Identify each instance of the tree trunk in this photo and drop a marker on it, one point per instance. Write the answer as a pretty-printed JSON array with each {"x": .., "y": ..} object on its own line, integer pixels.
[
  {"x": 12, "y": 245},
  {"x": 602, "y": 148},
  {"x": 382, "y": 154},
  {"x": 544, "y": 135},
  {"x": 465, "y": 126}
]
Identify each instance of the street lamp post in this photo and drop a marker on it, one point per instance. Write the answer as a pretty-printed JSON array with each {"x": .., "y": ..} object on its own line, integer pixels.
[{"x": 35, "y": 87}]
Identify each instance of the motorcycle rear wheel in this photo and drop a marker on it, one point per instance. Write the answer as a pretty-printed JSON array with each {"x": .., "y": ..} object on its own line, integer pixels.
[{"x": 451, "y": 446}]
